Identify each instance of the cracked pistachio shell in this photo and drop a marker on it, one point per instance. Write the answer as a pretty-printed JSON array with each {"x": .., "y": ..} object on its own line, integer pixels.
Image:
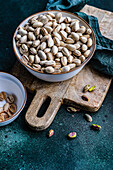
[
  {"x": 2, "y": 96},
  {"x": 37, "y": 24},
  {"x": 77, "y": 53},
  {"x": 12, "y": 108},
  {"x": 70, "y": 59},
  {"x": 10, "y": 99},
  {"x": 73, "y": 65},
  {"x": 82, "y": 29},
  {"x": 82, "y": 58},
  {"x": 49, "y": 29},
  {"x": 59, "y": 55},
  {"x": 50, "y": 56},
  {"x": 22, "y": 32},
  {"x": 69, "y": 40},
  {"x": 83, "y": 39},
  {"x": 56, "y": 41},
  {"x": 71, "y": 47},
  {"x": 36, "y": 67},
  {"x": 55, "y": 34},
  {"x": 6, "y": 107},
  {"x": 88, "y": 31},
  {"x": 63, "y": 34},
  {"x": 31, "y": 58},
  {"x": 47, "y": 50},
  {"x": 43, "y": 45}
]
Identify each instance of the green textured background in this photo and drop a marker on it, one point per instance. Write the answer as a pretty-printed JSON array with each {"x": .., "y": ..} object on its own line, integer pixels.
[{"x": 21, "y": 148}]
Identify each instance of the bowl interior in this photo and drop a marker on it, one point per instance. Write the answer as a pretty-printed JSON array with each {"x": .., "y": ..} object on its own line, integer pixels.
[
  {"x": 11, "y": 85},
  {"x": 64, "y": 14}
]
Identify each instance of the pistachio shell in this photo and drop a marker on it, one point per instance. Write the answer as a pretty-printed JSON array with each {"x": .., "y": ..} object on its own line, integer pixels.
[
  {"x": 36, "y": 59},
  {"x": 71, "y": 47},
  {"x": 75, "y": 36},
  {"x": 31, "y": 58},
  {"x": 23, "y": 39},
  {"x": 69, "y": 40},
  {"x": 31, "y": 36},
  {"x": 56, "y": 41},
  {"x": 6, "y": 107},
  {"x": 22, "y": 32},
  {"x": 54, "y": 50},
  {"x": 49, "y": 69},
  {"x": 43, "y": 46},
  {"x": 57, "y": 29},
  {"x": 10, "y": 99},
  {"x": 33, "y": 51},
  {"x": 77, "y": 62},
  {"x": 82, "y": 29},
  {"x": 50, "y": 42},
  {"x": 42, "y": 55},
  {"x": 84, "y": 47},
  {"x": 36, "y": 43},
  {"x": 63, "y": 34},
  {"x": 89, "y": 42},
  {"x": 2, "y": 96},
  {"x": 50, "y": 56},
  {"x": 37, "y": 24},
  {"x": 55, "y": 34},
  {"x": 86, "y": 54},
  {"x": 37, "y": 67},
  {"x": 73, "y": 65},
  {"x": 88, "y": 31},
  {"x": 65, "y": 69},
  {"x": 65, "y": 51},
  {"x": 49, "y": 29},
  {"x": 77, "y": 53},
  {"x": 64, "y": 61},
  {"x": 59, "y": 55},
  {"x": 12, "y": 108},
  {"x": 83, "y": 39},
  {"x": 47, "y": 50},
  {"x": 82, "y": 58},
  {"x": 70, "y": 59}
]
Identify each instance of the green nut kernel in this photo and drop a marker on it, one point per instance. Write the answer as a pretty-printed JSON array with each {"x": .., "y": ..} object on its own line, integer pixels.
[
  {"x": 96, "y": 127},
  {"x": 72, "y": 135},
  {"x": 92, "y": 89}
]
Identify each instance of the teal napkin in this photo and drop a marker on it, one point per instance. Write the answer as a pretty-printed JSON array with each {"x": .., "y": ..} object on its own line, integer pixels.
[{"x": 103, "y": 57}]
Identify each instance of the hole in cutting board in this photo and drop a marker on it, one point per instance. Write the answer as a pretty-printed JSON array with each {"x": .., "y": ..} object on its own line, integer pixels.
[{"x": 44, "y": 106}]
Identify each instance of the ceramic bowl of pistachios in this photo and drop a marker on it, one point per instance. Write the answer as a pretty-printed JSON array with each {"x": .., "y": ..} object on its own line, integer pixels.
[
  {"x": 54, "y": 45},
  {"x": 12, "y": 98}
]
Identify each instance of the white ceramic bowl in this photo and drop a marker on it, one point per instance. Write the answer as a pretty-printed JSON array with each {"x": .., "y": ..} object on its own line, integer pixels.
[
  {"x": 11, "y": 85},
  {"x": 56, "y": 77}
]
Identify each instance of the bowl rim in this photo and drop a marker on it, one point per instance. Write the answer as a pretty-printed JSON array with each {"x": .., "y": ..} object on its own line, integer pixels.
[
  {"x": 71, "y": 70},
  {"x": 25, "y": 99}
]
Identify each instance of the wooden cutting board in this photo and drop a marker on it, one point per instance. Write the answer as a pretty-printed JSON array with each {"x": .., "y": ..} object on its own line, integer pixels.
[{"x": 70, "y": 91}]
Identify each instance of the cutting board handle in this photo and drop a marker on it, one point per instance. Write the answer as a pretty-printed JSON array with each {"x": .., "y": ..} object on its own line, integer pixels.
[{"x": 41, "y": 123}]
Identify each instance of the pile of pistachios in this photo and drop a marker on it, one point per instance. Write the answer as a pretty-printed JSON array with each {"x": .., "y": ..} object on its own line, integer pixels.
[
  {"x": 53, "y": 43},
  {"x": 9, "y": 108}
]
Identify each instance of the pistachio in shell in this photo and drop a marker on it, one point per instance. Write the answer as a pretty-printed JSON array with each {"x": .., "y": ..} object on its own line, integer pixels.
[
  {"x": 2, "y": 96},
  {"x": 10, "y": 99},
  {"x": 12, "y": 108}
]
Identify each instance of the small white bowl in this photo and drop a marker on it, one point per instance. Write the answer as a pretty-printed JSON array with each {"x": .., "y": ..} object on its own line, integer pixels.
[
  {"x": 55, "y": 77},
  {"x": 11, "y": 85}
]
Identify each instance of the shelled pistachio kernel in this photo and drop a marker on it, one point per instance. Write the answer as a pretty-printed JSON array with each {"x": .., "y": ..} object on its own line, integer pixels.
[
  {"x": 95, "y": 127},
  {"x": 92, "y": 88},
  {"x": 86, "y": 88},
  {"x": 72, "y": 135},
  {"x": 50, "y": 133}
]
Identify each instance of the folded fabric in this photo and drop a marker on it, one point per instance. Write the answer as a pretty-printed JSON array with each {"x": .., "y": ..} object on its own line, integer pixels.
[{"x": 103, "y": 58}]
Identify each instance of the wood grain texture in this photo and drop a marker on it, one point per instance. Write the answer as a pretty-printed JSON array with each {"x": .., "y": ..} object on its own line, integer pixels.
[{"x": 69, "y": 91}]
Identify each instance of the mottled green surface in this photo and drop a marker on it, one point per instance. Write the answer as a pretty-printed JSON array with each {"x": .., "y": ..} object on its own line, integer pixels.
[{"x": 21, "y": 148}]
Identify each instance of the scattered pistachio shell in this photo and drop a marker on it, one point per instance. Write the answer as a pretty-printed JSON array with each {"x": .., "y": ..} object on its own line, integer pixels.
[
  {"x": 92, "y": 88},
  {"x": 72, "y": 135},
  {"x": 88, "y": 117},
  {"x": 2, "y": 96},
  {"x": 50, "y": 133},
  {"x": 96, "y": 127},
  {"x": 72, "y": 109},
  {"x": 12, "y": 108},
  {"x": 85, "y": 98},
  {"x": 86, "y": 88},
  {"x": 10, "y": 99}
]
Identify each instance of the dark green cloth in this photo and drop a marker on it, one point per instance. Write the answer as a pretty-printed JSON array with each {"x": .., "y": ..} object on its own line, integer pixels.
[{"x": 103, "y": 57}]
